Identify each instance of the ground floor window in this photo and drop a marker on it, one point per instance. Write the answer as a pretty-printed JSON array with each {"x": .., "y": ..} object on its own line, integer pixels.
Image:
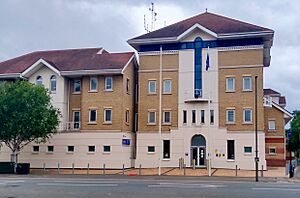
[
  {"x": 248, "y": 149},
  {"x": 35, "y": 149},
  {"x": 50, "y": 149},
  {"x": 166, "y": 149},
  {"x": 91, "y": 149},
  {"x": 151, "y": 149},
  {"x": 106, "y": 149},
  {"x": 272, "y": 150},
  {"x": 70, "y": 149},
  {"x": 230, "y": 150}
]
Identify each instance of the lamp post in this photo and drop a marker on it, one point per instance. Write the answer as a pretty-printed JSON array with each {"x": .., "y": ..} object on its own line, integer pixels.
[{"x": 256, "y": 135}]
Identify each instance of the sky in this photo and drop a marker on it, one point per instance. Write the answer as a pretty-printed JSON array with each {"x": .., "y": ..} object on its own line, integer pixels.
[{"x": 30, "y": 25}]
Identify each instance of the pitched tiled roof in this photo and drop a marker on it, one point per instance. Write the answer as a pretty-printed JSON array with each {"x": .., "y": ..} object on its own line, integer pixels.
[
  {"x": 69, "y": 60},
  {"x": 270, "y": 92},
  {"x": 213, "y": 22}
]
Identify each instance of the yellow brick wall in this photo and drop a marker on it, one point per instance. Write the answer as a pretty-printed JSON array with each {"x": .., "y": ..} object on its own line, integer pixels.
[
  {"x": 277, "y": 115},
  {"x": 241, "y": 57}
]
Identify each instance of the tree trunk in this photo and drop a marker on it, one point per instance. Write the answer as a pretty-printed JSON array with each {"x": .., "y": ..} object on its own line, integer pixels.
[{"x": 14, "y": 159}]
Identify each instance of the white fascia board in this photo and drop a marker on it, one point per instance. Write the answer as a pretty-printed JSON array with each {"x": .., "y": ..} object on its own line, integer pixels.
[
  {"x": 124, "y": 68},
  {"x": 91, "y": 72},
  {"x": 152, "y": 40},
  {"x": 245, "y": 34},
  {"x": 197, "y": 25},
  {"x": 11, "y": 75},
  {"x": 282, "y": 109},
  {"x": 33, "y": 66}
]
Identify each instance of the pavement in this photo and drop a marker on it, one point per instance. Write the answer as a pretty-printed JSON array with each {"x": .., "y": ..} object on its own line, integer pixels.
[{"x": 119, "y": 186}]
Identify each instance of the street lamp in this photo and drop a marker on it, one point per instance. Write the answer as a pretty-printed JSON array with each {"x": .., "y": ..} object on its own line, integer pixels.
[{"x": 256, "y": 138}]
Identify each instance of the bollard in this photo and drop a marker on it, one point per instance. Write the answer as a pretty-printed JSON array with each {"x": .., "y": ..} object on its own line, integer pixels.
[
  {"x": 103, "y": 169},
  {"x": 44, "y": 167},
  {"x": 58, "y": 171},
  {"x": 262, "y": 170},
  {"x": 88, "y": 169},
  {"x": 73, "y": 169},
  {"x": 140, "y": 169},
  {"x": 194, "y": 164},
  {"x": 184, "y": 169},
  {"x": 236, "y": 169},
  {"x": 123, "y": 169}
]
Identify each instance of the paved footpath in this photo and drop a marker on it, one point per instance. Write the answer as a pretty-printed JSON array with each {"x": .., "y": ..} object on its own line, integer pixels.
[{"x": 29, "y": 186}]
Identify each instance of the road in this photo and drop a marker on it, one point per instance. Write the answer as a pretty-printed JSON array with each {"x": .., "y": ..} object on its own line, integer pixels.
[{"x": 141, "y": 187}]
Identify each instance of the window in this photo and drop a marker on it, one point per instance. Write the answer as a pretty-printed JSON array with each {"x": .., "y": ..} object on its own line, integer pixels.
[
  {"x": 93, "y": 84},
  {"x": 167, "y": 117},
  {"x": 53, "y": 83},
  {"x": 77, "y": 86},
  {"x": 193, "y": 116},
  {"x": 247, "y": 115},
  {"x": 70, "y": 149},
  {"x": 167, "y": 86},
  {"x": 230, "y": 116},
  {"x": 212, "y": 116},
  {"x": 247, "y": 149},
  {"x": 152, "y": 87},
  {"x": 36, "y": 149},
  {"x": 127, "y": 116},
  {"x": 151, "y": 149},
  {"x": 50, "y": 149},
  {"x": 106, "y": 149},
  {"x": 247, "y": 83},
  {"x": 184, "y": 114},
  {"x": 151, "y": 117},
  {"x": 272, "y": 125},
  {"x": 107, "y": 115},
  {"x": 93, "y": 116},
  {"x": 108, "y": 83},
  {"x": 127, "y": 85},
  {"x": 39, "y": 80},
  {"x": 272, "y": 151},
  {"x": 76, "y": 119},
  {"x": 202, "y": 116},
  {"x": 91, "y": 149},
  {"x": 230, "y": 84},
  {"x": 230, "y": 150},
  {"x": 166, "y": 149}
]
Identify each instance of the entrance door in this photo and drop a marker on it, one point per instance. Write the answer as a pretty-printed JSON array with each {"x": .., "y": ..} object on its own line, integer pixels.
[
  {"x": 198, "y": 156},
  {"x": 201, "y": 156}
]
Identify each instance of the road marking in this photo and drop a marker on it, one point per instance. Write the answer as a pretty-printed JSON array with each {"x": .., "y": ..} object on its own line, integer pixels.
[
  {"x": 183, "y": 185},
  {"x": 287, "y": 189},
  {"x": 77, "y": 185},
  {"x": 92, "y": 182}
]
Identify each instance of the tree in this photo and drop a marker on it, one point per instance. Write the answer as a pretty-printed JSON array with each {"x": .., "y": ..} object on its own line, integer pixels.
[
  {"x": 295, "y": 129},
  {"x": 26, "y": 115}
]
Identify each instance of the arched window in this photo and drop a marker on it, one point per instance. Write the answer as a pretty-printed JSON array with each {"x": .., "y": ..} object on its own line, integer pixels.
[
  {"x": 53, "y": 83},
  {"x": 39, "y": 80}
]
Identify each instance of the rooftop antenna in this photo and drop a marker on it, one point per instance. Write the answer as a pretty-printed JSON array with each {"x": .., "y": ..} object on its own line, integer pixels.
[
  {"x": 153, "y": 19},
  {"x": 146, "y": 24},
  {"x": 206, "y": 10}
]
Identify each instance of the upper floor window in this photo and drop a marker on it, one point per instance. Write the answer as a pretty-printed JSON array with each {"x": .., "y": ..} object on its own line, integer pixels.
[
  {"x": 193, "y": 116},
  {"x": 247, "y": 116},
  {"x": 212, "y": 116},
  {"x": 53, "y": 83},
  {"x": 272, "y": 125},
  {"x": 127, "y": 85},
  {"x": 127, "y": 116},
  {"x": 93, "y": 116},
  {"x": 230, "y": 84},
  {"x": 77, "y": 86},
  {"x": 247, "y": 83},
  {"x": 184, "y": 114},
  {"x": 167, "y": 117},
  {"x": 107, "y": 115},
  {"x": 202, "y": 118},
  {"x": 152, "y": 86},
  {"x": 167, "y": 86},
  {"x": 108, "y": 83},
  {"x": 151, "y": 117},
  {"x": 93, "y": 83},
  {"x": 230, "y": 116},
  {"x": 39, "y": 80}
]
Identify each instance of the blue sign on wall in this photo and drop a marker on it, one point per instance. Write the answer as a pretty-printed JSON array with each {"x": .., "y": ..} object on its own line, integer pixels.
[{"x": 125, "y": 141}]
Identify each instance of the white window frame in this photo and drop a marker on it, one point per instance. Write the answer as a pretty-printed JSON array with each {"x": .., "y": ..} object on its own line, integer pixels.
[
  {"x": 151, "y": 152},
  {"x": 106, "y": 84},
  {"x": 269, "y": 128},
  {"x": 244, "y": 116},
  {"x": 70, "y": 151},
  {"x": 227, "y": 116},
  {"x": 164, "y": 90},
  {"x": 39, "y": 80},
  {"x": 91, "y": 151},
  {"x": 74, "y": 91},
  {"x": 248, "y": 153},
  {"x": 53, "y": 78},
  {"x": 149, "y": 90},
  {"x": 272, "y": 153},
  {"x": 244, "y": 78},
  {"x": 48, "y": 149},
  {"x": 106, "y": 151},
  {"x": 104, "y": 116},
  {"x": 96, "y": 80},
  {"x": 39, "y": 150},
  {"x": 90, "y": 110},
  {"x": 233, "y": 85},
  {"x": 151, "y": 123},
  {"x": 164, "y": 117}
]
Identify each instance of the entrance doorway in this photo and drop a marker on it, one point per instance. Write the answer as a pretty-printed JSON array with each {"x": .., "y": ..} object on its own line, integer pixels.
[{"x": 198, "y": 150}]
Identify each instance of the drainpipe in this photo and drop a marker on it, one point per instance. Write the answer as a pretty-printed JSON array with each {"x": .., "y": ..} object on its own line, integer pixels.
[{"x": 159, "y": 113}]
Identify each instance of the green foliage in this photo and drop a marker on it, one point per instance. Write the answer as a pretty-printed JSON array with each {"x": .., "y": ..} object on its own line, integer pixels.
[
  {"x": 295, "y": 128},
  {"x": 26, "y": 114}
]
